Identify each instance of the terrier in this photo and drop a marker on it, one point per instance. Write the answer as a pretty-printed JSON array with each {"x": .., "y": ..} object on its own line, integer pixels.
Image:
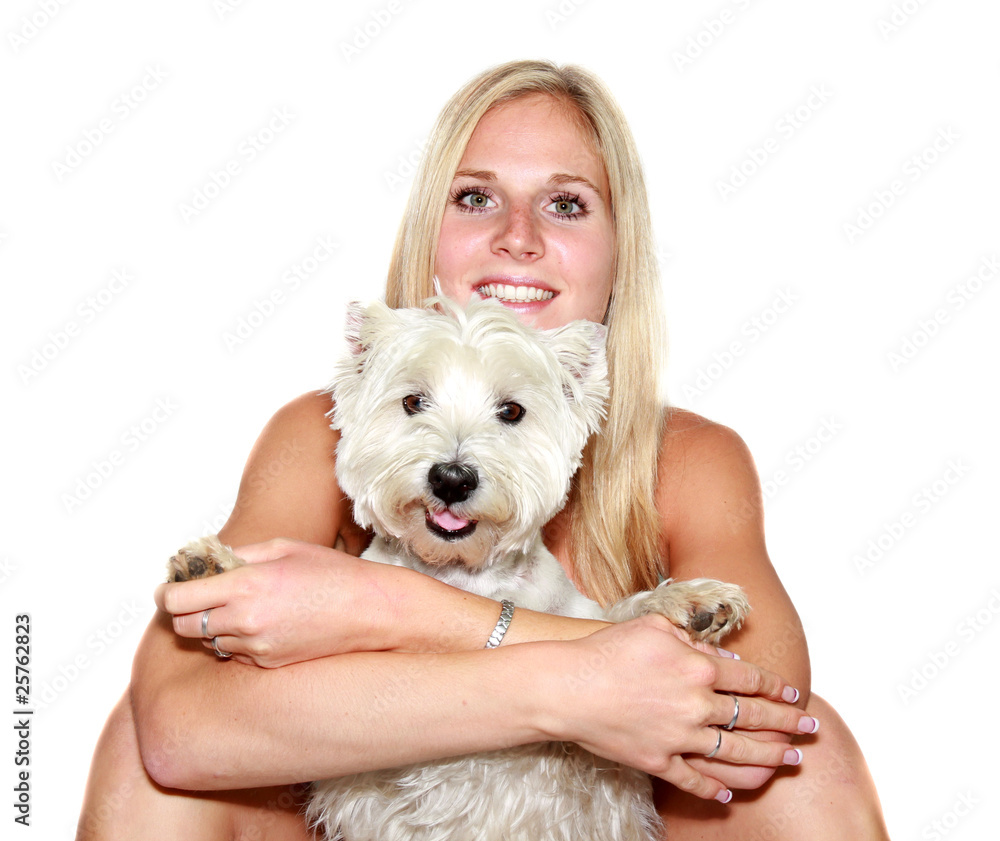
[{"x": 460, "y": 432}]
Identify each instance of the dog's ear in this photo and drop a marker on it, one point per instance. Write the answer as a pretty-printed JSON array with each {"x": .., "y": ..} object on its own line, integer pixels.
[
  {"x": 580, "y": 348},
  {"x": 346, "y": 385},
  {"x": 366, "y": 322},
  {"x": 353, "y": 325}
]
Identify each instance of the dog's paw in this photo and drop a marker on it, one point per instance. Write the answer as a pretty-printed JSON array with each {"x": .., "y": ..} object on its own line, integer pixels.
[
  {"x": 201, "y": 558},
  {"x": 706, "y": 609}
]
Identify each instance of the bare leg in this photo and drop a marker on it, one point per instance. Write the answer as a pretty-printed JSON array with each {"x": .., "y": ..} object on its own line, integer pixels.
[
  {"x": 121, "y": 800},
  {"x": 830, "y": 797}
]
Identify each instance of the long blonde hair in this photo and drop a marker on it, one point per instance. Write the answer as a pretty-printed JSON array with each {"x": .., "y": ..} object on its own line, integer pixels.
[{"x": 615, "y": 546}]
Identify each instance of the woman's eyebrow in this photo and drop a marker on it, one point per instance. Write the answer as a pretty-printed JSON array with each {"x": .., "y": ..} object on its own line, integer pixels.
[
  {"x": 563, "y": 178},
  {"x": 559, "y": 179},
  {"x": 477, "y": 174}
]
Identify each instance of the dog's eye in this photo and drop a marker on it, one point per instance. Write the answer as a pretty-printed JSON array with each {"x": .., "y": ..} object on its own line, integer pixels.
[
  {"x": 414, "y": 403},
  {"x": 511, "y": 412}
]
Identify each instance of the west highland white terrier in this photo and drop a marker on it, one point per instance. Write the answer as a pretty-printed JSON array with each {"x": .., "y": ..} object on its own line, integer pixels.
[{"x": 460, "y": 431}]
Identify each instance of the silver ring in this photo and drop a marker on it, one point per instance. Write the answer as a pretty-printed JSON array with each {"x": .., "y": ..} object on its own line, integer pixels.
[
  {"x": 204, "y": 624},
  {"x": 736, "y": 713},
  {"x": 718, "y": 744},
  {"x": 225, "y": 655}
]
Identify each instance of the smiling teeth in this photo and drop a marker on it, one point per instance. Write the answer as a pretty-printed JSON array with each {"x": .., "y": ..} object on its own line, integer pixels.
[{"x": 506, "y": 292}]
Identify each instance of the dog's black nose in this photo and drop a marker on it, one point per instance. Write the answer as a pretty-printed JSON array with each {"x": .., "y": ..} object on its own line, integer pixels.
[{"x": 453, "y": 482}]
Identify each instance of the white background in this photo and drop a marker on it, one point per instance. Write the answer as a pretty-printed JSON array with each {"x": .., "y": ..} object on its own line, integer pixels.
[{"x": 201, "y": 79}]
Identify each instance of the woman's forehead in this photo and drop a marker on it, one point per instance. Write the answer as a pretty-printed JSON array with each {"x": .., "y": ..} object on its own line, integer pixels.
[{"x": 538, "y": 128}]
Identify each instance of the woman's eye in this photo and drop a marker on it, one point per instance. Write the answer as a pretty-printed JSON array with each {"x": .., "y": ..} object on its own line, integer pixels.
[
  {"x": 568, "y": 206},
  {"x": 414, "y": 403},
  {"x": 477, "y": 201},
  {"x": 510, "y": 412},
  {"x": 565, "y": 207}
]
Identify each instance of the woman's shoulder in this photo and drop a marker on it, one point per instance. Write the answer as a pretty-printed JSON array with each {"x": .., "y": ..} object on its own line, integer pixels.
[
  {"x": 289, "y": 486},
  {"x": 706, "y": 475},
  {"x": 690, "y": 435},
  {"x": 306, "y": 415}
]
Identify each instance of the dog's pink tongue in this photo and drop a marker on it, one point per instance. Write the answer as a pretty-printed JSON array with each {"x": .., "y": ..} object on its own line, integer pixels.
[{"x": 448, "y": 521}]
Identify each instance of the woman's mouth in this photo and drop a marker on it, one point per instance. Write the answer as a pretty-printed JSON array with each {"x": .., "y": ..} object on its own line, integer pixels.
[{"x": 519, "y": 293}]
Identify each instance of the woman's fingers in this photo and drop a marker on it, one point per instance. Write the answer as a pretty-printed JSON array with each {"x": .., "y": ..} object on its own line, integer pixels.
[
  {"x": 747, "y": 679},
  {"x": 760, "y": 714},
  {"x": 190, "y": 597},
  {"x": 739, "y": 749},
  {"x": 680, "y": 774}
]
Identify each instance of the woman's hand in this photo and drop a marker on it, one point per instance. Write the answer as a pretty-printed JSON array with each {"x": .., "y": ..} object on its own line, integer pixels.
[
  {"x": 641, "y": 694},
  {"x": 293, "y": 601}
]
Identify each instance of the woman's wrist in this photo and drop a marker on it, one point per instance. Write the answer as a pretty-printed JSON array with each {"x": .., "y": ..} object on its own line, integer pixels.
[
  {"x": 416, "y": 613},
  {"x": 550, "y": 669},
  {"x": 423, "y": 615}
]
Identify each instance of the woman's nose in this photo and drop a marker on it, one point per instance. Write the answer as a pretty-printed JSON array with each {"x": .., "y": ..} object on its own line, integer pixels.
[{"x": 519, "y": 234}]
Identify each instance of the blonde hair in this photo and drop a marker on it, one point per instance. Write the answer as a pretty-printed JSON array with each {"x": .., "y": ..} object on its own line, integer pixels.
[{"x": 615, "y": 545}]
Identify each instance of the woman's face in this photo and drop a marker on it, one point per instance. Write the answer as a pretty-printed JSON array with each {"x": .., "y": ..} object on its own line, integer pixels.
[{"x": 528, "y": 220}]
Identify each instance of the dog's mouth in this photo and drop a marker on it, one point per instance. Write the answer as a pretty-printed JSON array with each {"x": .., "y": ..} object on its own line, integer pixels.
[{"x": 449, "y": 527}]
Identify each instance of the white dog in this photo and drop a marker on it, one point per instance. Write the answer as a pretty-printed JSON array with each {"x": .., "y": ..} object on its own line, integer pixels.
[{"x": 460, "y": 432}]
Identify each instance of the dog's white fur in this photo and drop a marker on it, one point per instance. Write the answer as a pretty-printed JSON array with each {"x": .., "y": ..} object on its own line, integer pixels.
[{"x": 429, "y": 387}]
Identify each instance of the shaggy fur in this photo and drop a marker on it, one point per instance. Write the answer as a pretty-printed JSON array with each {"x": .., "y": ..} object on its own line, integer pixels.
[{"x": 460, "y": 433}]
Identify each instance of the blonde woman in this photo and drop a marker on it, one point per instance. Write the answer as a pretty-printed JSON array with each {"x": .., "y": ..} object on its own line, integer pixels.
[{"x": 531, "y": 192}]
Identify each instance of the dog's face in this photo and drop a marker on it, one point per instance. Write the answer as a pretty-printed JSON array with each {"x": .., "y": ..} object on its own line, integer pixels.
[{"x": 461, "y": 430}]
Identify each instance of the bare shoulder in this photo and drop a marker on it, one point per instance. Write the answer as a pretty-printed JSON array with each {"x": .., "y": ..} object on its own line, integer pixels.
[
  {"x": 289, "y": 486},
  {"x": 695, "y": 448},
  {"x": 707, "y": 485}
]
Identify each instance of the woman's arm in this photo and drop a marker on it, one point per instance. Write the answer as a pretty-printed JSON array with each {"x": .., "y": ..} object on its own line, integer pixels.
[
  {"x": 711, "y": 503},
  {"x": 712, "y": 508},
  {"x": 207, "y": 724}
]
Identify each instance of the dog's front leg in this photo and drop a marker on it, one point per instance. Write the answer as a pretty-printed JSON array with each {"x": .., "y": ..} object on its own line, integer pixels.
[{"x": 706, "y": 609}]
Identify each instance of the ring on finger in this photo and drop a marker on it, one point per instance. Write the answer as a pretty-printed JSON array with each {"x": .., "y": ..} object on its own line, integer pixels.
[
  {"x": 718, "y": 743},
  {"x": 204, "y": 624},
  {"x": 736, "y": 713},
  {"x": 225, "y": 655}
]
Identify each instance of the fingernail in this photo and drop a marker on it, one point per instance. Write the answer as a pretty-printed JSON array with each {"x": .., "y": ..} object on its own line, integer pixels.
[
  {"x": 732, "y": 655},
  {"x": 790, "y": 694},
  {"x": 808, "y": 724},
  {"x": 724, "y": 796},
  {"x": 793, "y": 756}
]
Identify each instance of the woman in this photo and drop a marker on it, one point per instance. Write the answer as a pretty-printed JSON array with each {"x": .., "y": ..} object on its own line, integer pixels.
[{"x": 530, "y": 191}]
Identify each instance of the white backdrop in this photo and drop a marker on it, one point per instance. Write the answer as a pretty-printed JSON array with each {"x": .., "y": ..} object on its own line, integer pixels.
[{"x": 824, "y": 188}]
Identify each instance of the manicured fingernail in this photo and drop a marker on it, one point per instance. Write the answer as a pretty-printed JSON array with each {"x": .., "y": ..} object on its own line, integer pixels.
[
  {"x": 732, "y": 655},
  {"x": 790, "y": 694},
  {"x": 793, "y": 756},
  {"x": 724, "y": 796},
  {"x": 808, "y": 724}
]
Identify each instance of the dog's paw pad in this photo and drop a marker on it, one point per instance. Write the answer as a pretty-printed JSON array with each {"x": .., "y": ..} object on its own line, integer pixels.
[
  {"x": 701, "y": 621},
  {"x": 711, "y": 622},
  {"x": 201, "y": 559}
]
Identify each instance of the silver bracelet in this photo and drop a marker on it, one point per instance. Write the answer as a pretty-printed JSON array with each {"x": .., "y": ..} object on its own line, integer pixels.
[{"x": 503, "y": 623}]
